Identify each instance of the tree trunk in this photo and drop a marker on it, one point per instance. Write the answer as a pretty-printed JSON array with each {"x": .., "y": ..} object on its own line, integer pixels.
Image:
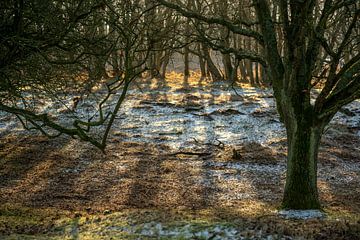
[
  {"x": 249, "y": 71},
  {"x": 214, "y": 72},
  {"x": 242, "y": 68},
  {"x": 257, "y": 79},
  {"x": 301, "y": 177},
  {"x": 186, "y": 62},
  {"x": 234, "y": 73},
  {"x": 228, "y": 69},
  {"x": 165, "y": 63},
  {"x": 202, "y": 63},
  {"x": 226, "y": 59}
]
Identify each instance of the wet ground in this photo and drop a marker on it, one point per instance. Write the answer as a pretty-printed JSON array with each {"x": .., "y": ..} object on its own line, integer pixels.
[{"x": 181, "y": 146}]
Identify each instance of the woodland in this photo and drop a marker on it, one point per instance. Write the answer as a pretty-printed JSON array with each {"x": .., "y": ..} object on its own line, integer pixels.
[{"x": 180, "y": 119}]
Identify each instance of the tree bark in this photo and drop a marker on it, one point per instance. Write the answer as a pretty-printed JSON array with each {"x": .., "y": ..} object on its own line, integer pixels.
[
  {"x": 301, "y": 177},
  {"x": 242, "y": 68},
  {"x": 201, "y": 63},
  {"x": 249, "y": 71},
  {"x": 215, "y": 74},
  {"x": 186, "y": 62},
  {"x": 165, "y": 63},
  {"x": 225, "y": 39}
]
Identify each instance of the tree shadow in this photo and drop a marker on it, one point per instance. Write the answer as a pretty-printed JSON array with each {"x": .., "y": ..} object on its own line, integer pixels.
[
  {"x": 24, "y": 160},
  {"x": 339, "y": 175},
  {"x": 69, "y": 175},
  {"x": 145, "y": 183}
]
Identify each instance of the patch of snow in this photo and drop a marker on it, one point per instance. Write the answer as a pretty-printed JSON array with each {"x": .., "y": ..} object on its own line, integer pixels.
[
  {"x": 220, "y": 232},
  {"x": 250, "y": 167},
  {"x": 301, "y": 214},
  {"x": 232, "y": 122},
  {"x": 237, "y": 196}
]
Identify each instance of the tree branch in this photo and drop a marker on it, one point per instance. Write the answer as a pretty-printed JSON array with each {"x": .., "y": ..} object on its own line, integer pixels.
[{"x": 212, "y": 20}]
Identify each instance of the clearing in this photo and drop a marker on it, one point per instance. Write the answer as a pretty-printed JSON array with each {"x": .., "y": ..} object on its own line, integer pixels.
[{"x": 186, "y": 160}]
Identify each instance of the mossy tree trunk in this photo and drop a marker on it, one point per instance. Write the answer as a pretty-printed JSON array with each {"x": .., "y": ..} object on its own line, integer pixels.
[
  {"x": 291, "y": 79},
  {"x": 303, "y": 138}
]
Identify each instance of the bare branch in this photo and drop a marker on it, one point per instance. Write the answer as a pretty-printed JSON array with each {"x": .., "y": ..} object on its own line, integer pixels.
[{"x": 212, "y": 20}]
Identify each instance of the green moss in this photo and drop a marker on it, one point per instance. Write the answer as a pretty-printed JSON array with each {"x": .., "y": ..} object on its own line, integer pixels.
[
  {"x": 342, "y": 215},
  {"x": 18, "y": 222},
  {"x": 26, "y": 221}
]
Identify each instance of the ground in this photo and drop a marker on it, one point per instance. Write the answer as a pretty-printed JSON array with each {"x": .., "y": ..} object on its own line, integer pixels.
[{"x": 186, "y": 160}]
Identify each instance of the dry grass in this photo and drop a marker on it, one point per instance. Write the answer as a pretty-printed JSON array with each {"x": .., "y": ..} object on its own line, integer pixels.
[{"x": 50, "y": 187}]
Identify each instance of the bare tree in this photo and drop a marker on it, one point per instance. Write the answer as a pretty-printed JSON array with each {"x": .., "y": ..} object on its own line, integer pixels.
[
  {"x": 304, "y": 31},
  {"x": 47, "y": 48}
]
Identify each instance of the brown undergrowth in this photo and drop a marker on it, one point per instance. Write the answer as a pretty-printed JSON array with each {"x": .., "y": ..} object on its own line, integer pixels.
[
  {"x": 52, "y": 180},
  {"x": 63, "y": 188}
]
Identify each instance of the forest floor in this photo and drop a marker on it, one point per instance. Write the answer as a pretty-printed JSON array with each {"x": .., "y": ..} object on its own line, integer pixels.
[{"x": 186, "y": 160}]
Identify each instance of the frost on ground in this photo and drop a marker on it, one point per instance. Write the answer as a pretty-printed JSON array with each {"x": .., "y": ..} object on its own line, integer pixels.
[
  {"x": 195, "y": 146},
  {"x": 189, "y": 231},
  {"x": 185, "y": 115},
  {"x": 301, "y": 214}
]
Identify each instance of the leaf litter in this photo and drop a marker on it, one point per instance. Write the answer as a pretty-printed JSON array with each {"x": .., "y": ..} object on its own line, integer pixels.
[{"x": 196, "y": 148}]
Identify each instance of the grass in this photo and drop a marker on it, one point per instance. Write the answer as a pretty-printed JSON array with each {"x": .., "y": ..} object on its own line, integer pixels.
[
  {"x": 41, "y": 199},
  {"x": 17, "y": 222}
]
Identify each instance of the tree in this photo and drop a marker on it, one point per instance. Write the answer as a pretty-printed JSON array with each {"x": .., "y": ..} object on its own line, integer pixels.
[
  {"x": 308, "y": 29},
  {"x": 47, "y": 47},
  {"x": 41, "y": 45}
]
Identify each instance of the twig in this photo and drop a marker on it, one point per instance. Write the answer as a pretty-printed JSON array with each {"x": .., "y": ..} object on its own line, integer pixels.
[
  {"x": 220, "y": 144},
  {"x": 190, "y": 153}
]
